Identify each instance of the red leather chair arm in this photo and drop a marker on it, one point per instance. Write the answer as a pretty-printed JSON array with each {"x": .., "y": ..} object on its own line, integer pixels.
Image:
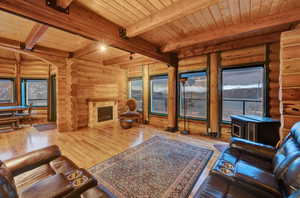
[
  {"x": 31, "y": 160},
  {"x": 257, "y": 149}
]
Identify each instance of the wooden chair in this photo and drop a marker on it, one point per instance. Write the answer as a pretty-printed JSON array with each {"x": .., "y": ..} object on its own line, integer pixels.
[
  {"x": 26, "y": 115},
  {"x": 131, "y": 113},
  {"x": 13, "y": 122}
]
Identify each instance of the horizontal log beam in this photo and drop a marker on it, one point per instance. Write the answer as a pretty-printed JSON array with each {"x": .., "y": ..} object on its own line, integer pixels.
[
  {"x": 83, "y": 22},
  {"x": 175, "y": 11},
  {"x": 234, "y": 30},
  {"x": 230, "y": 45}
]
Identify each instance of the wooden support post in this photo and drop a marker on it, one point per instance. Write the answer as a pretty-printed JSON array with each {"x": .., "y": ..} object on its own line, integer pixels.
[
  {"x": 214, "y": 96},
  {"x": 71, "y": 89},
  {"x": 289, "y": 80},
  {"x": 49, "y": 93},
  {"x": 172, "y": 99},
  {"x": 18, "y": 77},
  {"x": 146, "y": 93},
  {"x": 61, "y": 99},
  {"x": 18, "y": 83},
  {"x": 67, "y": 82}
]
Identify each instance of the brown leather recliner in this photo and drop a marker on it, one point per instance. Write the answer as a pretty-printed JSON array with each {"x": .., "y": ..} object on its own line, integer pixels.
[
  {"x": 251, "y": 170},
  {"x": 43, "y": 173}
]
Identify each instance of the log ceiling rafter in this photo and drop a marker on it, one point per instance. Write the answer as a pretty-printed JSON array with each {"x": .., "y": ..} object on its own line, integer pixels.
[
  {"x": 84, "y": 22},
  {"x": 234, "y": 30},
  {"x": 39, "y": 30},
  {"x": 230, "y": 45},
  {"x": 35, "y": 35},
  {"x": 47, "y": 54},
  {"x": 175, "y": 11}
]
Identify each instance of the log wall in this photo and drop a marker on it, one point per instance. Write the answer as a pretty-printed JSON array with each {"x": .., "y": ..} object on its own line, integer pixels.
[
  {"x": 26, "y": 69},
  {"x": 268, "y": 55},
  {"x": 289, "y": 80},
  {"x": 86, "y": 80},
  {"x": 198, "y": 63},
  {"x": 264, "y": 54}
]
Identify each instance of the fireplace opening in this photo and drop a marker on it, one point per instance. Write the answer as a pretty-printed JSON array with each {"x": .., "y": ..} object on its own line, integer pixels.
[{"x": 105, "y": 113}]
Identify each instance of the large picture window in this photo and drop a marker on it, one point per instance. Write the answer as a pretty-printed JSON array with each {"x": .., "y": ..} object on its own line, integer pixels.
[
  {"x": 195, "y": 95},
  {"x": 7, "y": 90},
  {"x": 243, "y": 92},
  {"x": 159, "y": 94},
  {"x": 35, "y": 92},
  {"x": 135, "y": 90}
]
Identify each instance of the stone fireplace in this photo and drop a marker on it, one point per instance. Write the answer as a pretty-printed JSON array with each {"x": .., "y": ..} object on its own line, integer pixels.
[{"x": 102, "y": 111}]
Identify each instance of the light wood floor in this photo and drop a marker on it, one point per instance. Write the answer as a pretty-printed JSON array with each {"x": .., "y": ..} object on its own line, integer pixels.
[{"x": 87, "y": 147}]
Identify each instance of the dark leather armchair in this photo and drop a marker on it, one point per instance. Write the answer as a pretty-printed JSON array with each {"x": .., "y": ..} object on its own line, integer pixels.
[
  {"x": 132, "y": 112},
  {"x": 43, "y": 173},
  {"x": 248, "y": 169}
]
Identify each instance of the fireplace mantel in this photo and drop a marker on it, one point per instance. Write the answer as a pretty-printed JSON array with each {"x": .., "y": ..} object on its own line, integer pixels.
[{"x": 101, "y": 99}]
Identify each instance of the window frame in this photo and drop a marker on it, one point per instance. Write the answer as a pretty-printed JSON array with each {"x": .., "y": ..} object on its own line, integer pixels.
[
  {"x": 150, "y": 94},
  {"x": 244, "y": 66},
  {"x": 25, "y": 95},
  {"x": 128, "y": 90},
  {"x": 14, "y": 91},
  {"x": 207, "y": 94}
]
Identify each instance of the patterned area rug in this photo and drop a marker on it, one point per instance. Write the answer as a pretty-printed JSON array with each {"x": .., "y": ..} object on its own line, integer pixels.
[
  {"x": 221, "y": 147},
  {"x": 159, "y": 167},
  {"x": 45, "y": 127}
]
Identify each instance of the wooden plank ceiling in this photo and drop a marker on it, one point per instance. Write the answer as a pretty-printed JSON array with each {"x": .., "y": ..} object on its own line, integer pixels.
[
  {"x": 223, "y": 14},
  {"x": 20, "y": 29},
  {"x": 165, "y": 24}
]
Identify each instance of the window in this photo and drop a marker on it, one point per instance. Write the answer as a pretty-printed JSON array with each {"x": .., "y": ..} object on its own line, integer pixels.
[
  {"x": 7, "y": 90},
  {"x": 242, "y": 92},
  {"x": 159, "y": 95},
  {"x": 35, "y": 92},
  {"x": 136, "y": 91},
  {"x": 195, "y": 95}
]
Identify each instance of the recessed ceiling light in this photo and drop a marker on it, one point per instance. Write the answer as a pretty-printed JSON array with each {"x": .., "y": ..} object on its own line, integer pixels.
[{"x": 103, "y": 47}]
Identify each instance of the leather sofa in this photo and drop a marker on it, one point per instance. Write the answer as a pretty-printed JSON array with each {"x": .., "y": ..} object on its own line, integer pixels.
[
  {"x": 43, "y": 173},
  {"x": 251, "y": 170}
]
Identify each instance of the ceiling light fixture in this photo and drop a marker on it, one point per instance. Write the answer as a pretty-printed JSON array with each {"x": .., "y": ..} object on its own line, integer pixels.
[
  {"x": 131, "y": 56},
  {"x": 103, "y": 47}
]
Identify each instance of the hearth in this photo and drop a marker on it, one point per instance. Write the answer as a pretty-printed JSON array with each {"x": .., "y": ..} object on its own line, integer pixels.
[{"x": 105, "y": 113}]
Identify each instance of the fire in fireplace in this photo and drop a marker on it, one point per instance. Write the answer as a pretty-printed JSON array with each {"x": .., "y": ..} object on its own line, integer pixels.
[{"x": 105, "y": 113}]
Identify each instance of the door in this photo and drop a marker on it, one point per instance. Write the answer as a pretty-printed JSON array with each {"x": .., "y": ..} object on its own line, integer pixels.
[{"x": 52, "y": 98}]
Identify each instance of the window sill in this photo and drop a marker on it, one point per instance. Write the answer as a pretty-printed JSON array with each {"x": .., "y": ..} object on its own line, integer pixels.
[
  {"x": 192, "y": 119},
  {"x": 226, "y": 123},
  {"x": 159, "y": 114},
  {"x": 8, "y": 104},
  {"x": 39, "y": 107}
]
